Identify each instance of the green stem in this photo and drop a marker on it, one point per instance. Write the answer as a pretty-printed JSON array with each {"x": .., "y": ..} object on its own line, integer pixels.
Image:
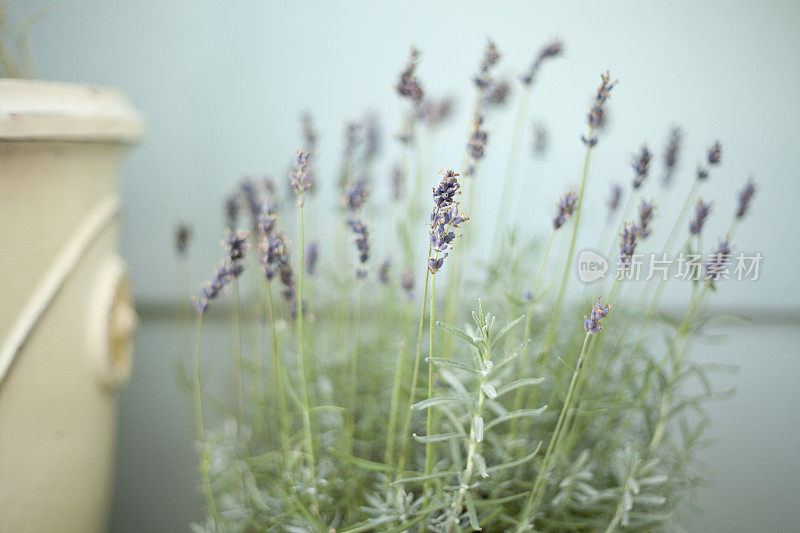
[
  {"x": 472, "y": 449},
  {"x": 277, "y": 375},
  {"x": 301, "y": 359},
  {"x": 238, "y": 387},
  {"x": 429, "y": 423},
  {"x": 534, "y": 498},
  {"x": 568, "y": 267},
  {"x": 354, "y": 362},
  {"x": 198, "y": 418},
  {"x": 415, "y": 376},
  {"x": 390, "y": 435}
]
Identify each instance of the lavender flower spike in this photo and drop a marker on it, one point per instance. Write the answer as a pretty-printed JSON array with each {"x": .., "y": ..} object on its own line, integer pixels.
[
  {"x": 312, "y": 255},
  {"x": 592, "y": 323},
  {"x": 566, "y": 206},
  {"x": 299, "y": 178},
  {"x": 183, "y": 234},
  {"x": 641, "y": 166},
  {"x": 235, "y": 243},
  {"x": 595, "y": 116},
  {"x": 444, "y": 194},
  {"x": 550, "y": 50},
  {"x": 213, "y": 288},
  {"x": 672, "y": 154},
  {"x": 407, "y": 282},
  {"x": 714, "y": 154},
  {"x": 490, "y": 58},
  {"x": 745, "y": 196},
  {"x": 614, "y": 199},
  {"x": 646, "y": 215},
  {"x": 409, "y": 85},
  {"x": 384, "y": 270},
  {"x": 627, "y": 243},
  {"x": 718, "y": 261},
  {"x": 362, "y": 245},
  {"x": 701, "y": 212}
]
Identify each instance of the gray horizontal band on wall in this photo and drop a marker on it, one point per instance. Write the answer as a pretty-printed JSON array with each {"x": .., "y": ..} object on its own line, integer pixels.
[
  {"x": 175, "y": 309},
  {"x": 47, "y": 290}
]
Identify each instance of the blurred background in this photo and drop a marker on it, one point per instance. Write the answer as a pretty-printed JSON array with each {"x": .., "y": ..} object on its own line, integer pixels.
[{"x": 223, "y": 84}]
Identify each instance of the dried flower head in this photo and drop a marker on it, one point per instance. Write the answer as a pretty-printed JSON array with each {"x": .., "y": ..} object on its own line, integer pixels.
[
  {"x": 596, "y": 112},
  {"x": 409, "y": 86},
  {"x": 397, "y": 182},
  {"x": 249, "y": 192},
  {"x": 614, "y": 199},
  {"x": 286, "y": 275},
  {"x": 356, "y": 195},
  {"x": 232, "y": 211},
  {"x": 384, "y": 270},
  {"x": 311, "y": 257},
  {"x": 701, "y": 212},
  {"x": 490, "y": 58},
  {"x": 498, "y": 94},
  {"x": 702, "y": 172},
  {"x": 627, "y": 243},
  {"x": 672, "y": 154},
  {"x": 641, "y": 166},
  {"x": 566, "y": 206},
  {"x": 592, "y": 323},
  {"x": 445, "y": 193},
  {"x": 718, "y": 261},
  {"x": 745, "y": 196},
  {"x": 235, "y": 243},
  {"x": 407, "y": 282},
  {"x": 299, "y": 177},
  {"x": 550, "y": 50},
  {"x": 443, "y": 221},
  {"x": 476, "y": 145},
  {"x": 647, "y": 210},
  {"x": 362, "y": 245},
  {"x": 274, "y": 253},
  {"x": 267, "y": 219},
  {"x": 183, "y": 234},
  {"x": 435, "y": 112},
  {"x": 210, "y": 290},
  {"x": 372, "y": 137},
  {"x": 541, "y": 139},
  {"x": 714, "y": 154}
]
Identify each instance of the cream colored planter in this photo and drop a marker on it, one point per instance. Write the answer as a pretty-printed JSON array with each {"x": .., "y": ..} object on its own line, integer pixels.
[{"x": 66, "y": 318}]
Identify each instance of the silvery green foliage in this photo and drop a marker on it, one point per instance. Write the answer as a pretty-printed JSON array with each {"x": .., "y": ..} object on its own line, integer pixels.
[{"x": 524, "y": 429}]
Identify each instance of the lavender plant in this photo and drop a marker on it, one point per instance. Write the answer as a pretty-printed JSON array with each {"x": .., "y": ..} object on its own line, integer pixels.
[{"x": 565, "y": 424}]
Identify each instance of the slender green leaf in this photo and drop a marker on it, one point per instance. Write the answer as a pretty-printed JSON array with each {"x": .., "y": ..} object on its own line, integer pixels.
[
  {"x": 515, "y": 414},
  {"x": 361, "y": 463},
  {"x": 478, "y": 428},
  {"x": 452, "y": 330},
  {"x": 517, "y": 384},
  {"x": 425, "y": 477},
  {"x": 436, "y": 400},
  {"x": 503, "y": 331},
  {"x": 490, "y": 391},
  {"x": 439, "y": 437},
  {"x": 516, "y": 462},
  {"x": 471, "y": 512},
  {"x": 450, "y": 363}
]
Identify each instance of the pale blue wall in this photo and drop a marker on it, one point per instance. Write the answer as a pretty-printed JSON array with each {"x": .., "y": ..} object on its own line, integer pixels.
[{"x": 222, "y": 83}]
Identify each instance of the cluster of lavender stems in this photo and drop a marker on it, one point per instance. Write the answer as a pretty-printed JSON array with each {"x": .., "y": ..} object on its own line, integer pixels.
[{"x": 445, "y": 218}]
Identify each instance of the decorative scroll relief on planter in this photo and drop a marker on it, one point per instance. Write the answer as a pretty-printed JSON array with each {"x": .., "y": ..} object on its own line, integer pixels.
[
  {"x": 53, "y": 281},
  {"x": 111, "y": 325}
]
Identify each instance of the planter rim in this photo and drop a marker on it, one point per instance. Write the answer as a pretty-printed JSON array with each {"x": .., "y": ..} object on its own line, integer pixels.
[{"x": 46, "y": 110}]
